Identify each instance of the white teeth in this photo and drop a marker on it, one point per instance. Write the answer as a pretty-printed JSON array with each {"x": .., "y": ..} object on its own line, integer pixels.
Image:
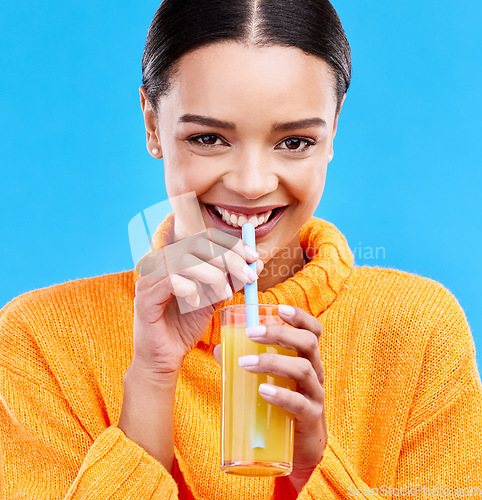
[
  {"x": 238, "y": 221},
  {"x": 242, "y": 220}
]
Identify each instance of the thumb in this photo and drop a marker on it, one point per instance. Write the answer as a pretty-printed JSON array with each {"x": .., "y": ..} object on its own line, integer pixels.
[{"x": 217, "y": 353}]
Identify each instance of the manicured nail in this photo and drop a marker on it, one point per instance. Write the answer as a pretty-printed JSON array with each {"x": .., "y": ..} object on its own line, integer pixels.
[
  {"x": 286, "y": 310},
  {"x": 255, "y": 331},
  {"x": 250, "y": 360},
  {"x": 229, "y": 292},
  {"x": 250, "y": 274},
  {"x": 267, "y": 389},
  {"x": 251, "y": 253},
  {"x": 193, "y": 302}
]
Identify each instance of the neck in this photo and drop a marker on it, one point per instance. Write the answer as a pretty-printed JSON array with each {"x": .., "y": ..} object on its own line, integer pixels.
[{"x": 285, "y": 264}]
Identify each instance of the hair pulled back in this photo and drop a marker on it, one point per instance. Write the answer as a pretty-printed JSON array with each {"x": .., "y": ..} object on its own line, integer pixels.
[{"x": 181, "y": 26}]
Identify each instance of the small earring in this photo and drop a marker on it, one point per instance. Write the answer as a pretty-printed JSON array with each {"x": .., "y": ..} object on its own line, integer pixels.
[
  {"x": 330, "y": 157},
  {"x": 155, "y": 151}
]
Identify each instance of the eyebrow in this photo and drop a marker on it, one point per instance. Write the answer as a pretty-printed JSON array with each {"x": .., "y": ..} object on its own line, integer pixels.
[{"x": 214, "y": 122}]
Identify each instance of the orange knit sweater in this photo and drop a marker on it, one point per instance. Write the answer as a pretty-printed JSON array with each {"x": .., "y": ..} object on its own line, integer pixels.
[{"x": 403, "y": 394}]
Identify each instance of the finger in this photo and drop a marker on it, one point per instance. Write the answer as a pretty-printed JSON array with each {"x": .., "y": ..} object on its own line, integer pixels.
[
  {"x": 178, "y": 286},
  {"x": 174, "y": 258},
  {"x": 153, "y": 295},
  {"x": 153, "y": 263},
  {"x": 185, "y": 288},
  {"x": 147, "y": 282},
  {"x": 156, "y": 290},
  {"x": 231, "y": 260},
  {"x": 232, "y": 243},
  {"x": 304, "y": 342},
  {"x": 300, "y": 319},
  {"x": 210, "y": 275},
  {"x": 167, "y": 259},
  {"x": 196, "y": 295},
  {"x": 238, "y": 282},
  {"x": 298, "y": 369},
  {"x": 206, "y": 275},
  {"x": 237, "y": 267},
  {"x": 301, "y": 407},
  {"x": 208, "y": 245}
]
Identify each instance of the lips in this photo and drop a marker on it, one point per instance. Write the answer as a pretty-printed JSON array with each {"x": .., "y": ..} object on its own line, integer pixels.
[
  {"x": 260, "y": 231},
  {"x": 247, "y": 211}
]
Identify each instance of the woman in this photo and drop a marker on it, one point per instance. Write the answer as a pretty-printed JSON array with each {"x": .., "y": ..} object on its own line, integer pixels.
[{"x": 109, "y": 391}]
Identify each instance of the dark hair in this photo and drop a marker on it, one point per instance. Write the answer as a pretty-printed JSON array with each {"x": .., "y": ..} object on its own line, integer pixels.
[{"x": 180, "y": 26}]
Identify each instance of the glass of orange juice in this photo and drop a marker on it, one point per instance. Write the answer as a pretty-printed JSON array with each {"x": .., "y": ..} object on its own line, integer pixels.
[{"x": 256, "y": 436}]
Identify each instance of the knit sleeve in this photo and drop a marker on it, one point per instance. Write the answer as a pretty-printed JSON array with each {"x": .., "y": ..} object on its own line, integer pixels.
[
  {"x": 45, "y": 451},
  {"x": 441, "y": 449},
  {"x": 335, "y": 478}
]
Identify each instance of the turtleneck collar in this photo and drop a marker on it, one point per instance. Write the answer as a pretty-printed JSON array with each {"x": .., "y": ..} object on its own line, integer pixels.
[{"x": 313, "y": 288}]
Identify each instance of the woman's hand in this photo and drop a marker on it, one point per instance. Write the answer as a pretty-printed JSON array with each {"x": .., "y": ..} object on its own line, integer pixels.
[
  {"x": 307, "y": 404},
  {"x": 180, "y": 287},
  {"x": 189, "y": 274}
]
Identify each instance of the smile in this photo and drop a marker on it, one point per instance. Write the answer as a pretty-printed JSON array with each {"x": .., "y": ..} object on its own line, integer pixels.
[
  {"x": 236, "y": 220},
  {"x": 232, "y": 222}
]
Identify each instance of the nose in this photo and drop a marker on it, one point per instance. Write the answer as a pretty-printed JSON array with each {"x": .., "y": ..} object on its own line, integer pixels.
[{"x": 251, "y": 177}]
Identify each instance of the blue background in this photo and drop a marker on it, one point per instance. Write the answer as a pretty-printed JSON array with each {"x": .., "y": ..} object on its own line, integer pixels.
[{"x": 406, "y": 174}]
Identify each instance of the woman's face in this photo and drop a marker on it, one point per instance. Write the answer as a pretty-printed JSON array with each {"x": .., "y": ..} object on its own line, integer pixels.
[{"x": 227, "y": 132}]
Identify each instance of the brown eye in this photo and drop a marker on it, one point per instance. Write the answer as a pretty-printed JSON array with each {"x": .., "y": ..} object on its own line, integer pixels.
[
  {"x": 205, "y": 140},
  {"x": 208, "y": 139},
  {"x": 293, "y": 143}
]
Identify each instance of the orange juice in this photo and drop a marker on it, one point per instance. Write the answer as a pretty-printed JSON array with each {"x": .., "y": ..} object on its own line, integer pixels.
[{"x": 257, "y": 436}]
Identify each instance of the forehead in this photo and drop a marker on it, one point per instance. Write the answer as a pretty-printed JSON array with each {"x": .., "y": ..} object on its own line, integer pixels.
[{"x": 229, "y": 75}]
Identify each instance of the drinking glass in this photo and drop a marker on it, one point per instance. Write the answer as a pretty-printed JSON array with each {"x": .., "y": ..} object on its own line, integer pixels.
[{"x": 256, "y": 436}]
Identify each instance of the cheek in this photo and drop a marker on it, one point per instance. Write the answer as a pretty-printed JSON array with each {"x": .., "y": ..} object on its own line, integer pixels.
[
  {"x": 184, "y": 173},
  {"x": 311, "y": 194},
  {"x": 320, "y": 182},
  {"x": 310, "y": 185}
]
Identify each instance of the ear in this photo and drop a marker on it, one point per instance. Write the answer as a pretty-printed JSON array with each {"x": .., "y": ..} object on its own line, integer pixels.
[
  {"x": 335, "y": 127},
  {"x": 150, "y": 121}
]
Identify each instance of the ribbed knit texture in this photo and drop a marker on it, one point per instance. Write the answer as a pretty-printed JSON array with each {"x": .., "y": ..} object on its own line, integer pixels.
[{"x": 403, "y": 394}]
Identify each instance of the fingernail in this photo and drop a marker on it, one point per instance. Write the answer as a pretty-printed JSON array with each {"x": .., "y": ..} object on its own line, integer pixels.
[
  {"x": 229, "y": 292},
  {"x": 286, "y": 310},
  {"x": 193, "y": 302},
  {"x": 256, "y": 331},
  {"x": 250, "y": 360},
  {"x": 267, "y": 389},
  {"x": 251, "y": 275},
  {"x": 251, "y": 253}
]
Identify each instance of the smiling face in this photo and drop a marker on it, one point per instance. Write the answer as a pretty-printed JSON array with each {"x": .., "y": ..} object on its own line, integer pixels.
[{"x": 226, "y": 131}]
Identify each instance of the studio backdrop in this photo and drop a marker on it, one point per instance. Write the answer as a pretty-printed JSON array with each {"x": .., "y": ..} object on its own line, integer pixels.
[{"x": 403, "y": 187}]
